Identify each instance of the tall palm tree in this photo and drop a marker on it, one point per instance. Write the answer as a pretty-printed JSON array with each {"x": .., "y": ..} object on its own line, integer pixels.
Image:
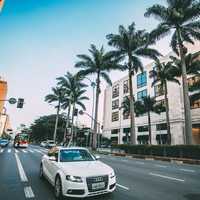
[
  {"x": 71, "y": 83},
  {"x": 98, "y": 63},
  {"x": 162, "y": 73},
  {"x": 132, "y": 44},
  {"x": 57, "y": 96},
  {"x": 181, "y": 17}
]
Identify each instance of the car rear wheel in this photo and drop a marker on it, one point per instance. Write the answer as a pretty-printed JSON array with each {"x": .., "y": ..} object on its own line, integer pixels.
[{"x": 58, "y": 188}]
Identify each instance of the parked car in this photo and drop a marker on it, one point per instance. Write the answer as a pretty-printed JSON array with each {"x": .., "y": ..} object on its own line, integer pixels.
[
  {"x": 75, "y": 172},
  {"x": 50, "y": 144},
  {"x": 43, "y": 144},
  {"x": 4, "y": 142}
]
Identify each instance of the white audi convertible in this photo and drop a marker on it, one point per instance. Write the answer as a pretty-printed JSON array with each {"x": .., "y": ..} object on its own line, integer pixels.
[{"x": 75, "y": 172}]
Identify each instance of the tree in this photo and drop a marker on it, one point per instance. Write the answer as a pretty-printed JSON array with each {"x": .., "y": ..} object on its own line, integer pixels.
[
  {"x": 163, "y": 73},
  {"x": 132, "y": 44},
  {"x": 98, "y": 63},
  {"x": 57, "y": 96},
  {"x": 181, "y": 17},
  {"x": 71, "y": 84}
]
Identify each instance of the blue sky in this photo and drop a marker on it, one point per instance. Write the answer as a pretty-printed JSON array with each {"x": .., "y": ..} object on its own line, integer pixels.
[{"x": 40, "y": 40}]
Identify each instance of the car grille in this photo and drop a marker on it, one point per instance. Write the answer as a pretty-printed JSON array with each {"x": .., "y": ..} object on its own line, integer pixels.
[{"x": 96, "y": 179}]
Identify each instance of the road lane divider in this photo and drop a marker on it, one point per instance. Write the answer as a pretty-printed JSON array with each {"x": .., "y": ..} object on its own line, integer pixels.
[
  {"x": 166, "y": 177},
  {"x": 162, "y": 166},
  {"x": 24, "y": 151},
  {"x": 31, "y": 151},
  {"x": 1, "y": 151},
  {"x": 22, "y": 174},
  {"x": 28, "y": 192},
  {"x": 9, "y": 150},
  {"x": 122, "y": 186},
  {"x": 139, "y": 162},
  {"x": 16, "y": 151},
  {"x": 187, "y": 170}
]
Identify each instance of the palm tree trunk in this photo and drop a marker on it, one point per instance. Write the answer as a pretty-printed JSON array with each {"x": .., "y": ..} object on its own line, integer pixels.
[
  {"x": 187, "y": 112},
  {"x": 132, "y": 110},
  {"x": 67, "y": 123},
  {"x": 167, "y": 115},
  {"x": 149, "y": 125},
  {"x": 72, "y": 128},
  {"x": 56, "y": 124},
  {"x": 94, "y": 140}
]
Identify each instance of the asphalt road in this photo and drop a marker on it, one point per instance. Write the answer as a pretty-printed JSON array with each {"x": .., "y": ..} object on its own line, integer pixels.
[{"x": 136, "y": 179}]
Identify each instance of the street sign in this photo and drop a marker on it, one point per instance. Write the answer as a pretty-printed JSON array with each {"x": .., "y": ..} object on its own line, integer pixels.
[{"x": 12, "y": 101}]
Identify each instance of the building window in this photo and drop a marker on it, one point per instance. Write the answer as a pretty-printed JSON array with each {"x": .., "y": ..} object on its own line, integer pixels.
[
  {"x": 115, "y": 116},
  {"x": 115, "y": 104},
  {"x": 141, "y": 94},
  {"x": 143, "y": 139},
  {"x": 159, "y": 90},
  {"x": 143, "y": 128},
  {"x": 141, "y": 80},
  {"x": 114, "y": 131},
  {"x": 161, "y": 138},
  {"x": 126, "y": 87},
  {"x": 126, "y": 115},
  {"x": 195, "y": 104},
  {"x": 114, "y": 140},
  {"x": 161, "y": 127},
  {"x": 193, "y": 82},
  {"x": 115, "y": 91},
  {"x": 162, "y": 105}
]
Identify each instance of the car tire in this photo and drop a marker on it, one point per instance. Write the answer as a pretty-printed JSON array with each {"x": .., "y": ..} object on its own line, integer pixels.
[
  {"x": 58, "y": 188},
  {"x": 41, "y": 174}
]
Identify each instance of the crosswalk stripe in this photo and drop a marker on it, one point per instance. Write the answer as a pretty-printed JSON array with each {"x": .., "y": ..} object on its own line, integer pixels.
[
  {"x": 24, "y": 151},
  {"x": 9, "y": 150},
  {"x": 1, "y": 151},
  {"x": 31, "y": 151},
  {"x": 16, "y": 151}
]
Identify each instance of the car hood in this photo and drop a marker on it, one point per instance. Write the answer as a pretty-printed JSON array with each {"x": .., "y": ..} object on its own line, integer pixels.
[{"x": 85, "y": 168}]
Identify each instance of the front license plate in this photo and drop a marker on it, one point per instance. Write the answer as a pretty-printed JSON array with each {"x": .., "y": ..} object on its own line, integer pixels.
[{"x": 97, "y": 186}]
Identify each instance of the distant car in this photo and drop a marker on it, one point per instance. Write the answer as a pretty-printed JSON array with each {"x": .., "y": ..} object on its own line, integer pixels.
[
  {"x": 75, "y": 172},
  {"x": 50, "y": 144},
  {"x": 4, "y": 142},
  {"x": 43, "y": 144}
]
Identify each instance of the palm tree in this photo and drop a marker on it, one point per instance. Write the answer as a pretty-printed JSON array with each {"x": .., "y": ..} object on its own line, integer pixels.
[
  {"x": 132, "y": 44},
  {"x": 57, "y": 96},
  {"x": 98, "y": 63},
  {"x": 71, "y": 83},
  {"x": 181, "y": 17},
  {"x": 163, "y": 73}
]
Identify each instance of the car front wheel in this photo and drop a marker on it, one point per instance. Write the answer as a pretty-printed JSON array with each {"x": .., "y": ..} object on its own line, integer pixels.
[{"x": 58, "y": 188}]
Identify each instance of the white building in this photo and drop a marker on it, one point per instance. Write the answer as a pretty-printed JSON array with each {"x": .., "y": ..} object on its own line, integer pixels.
[{"x": 116, "y": 126}]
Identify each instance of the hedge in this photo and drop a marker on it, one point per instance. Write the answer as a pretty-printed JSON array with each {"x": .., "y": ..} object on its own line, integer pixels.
[{"x": 178, "y": 151}]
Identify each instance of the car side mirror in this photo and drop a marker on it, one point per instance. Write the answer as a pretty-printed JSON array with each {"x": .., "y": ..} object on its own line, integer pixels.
[
  {"x": 97, "y": 157},
  {"x": 52, "y": 158}
]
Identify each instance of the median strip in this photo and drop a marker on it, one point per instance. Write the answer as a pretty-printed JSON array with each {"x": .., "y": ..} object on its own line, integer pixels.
[
  {"x": 123, "y": 187},
  {"x": 28, "y": 192},
  {"x": 22, "y": 174},
  {"x": 167, "y": 177}
]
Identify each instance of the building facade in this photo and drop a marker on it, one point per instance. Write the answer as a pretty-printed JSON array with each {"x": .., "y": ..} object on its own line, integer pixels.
[{"x": 116, "y": 125}]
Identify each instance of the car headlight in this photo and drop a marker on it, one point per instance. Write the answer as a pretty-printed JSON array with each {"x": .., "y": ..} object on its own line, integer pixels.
[
  {"x": 112, "y": 174},
  {"x": 76, "y": 179}
]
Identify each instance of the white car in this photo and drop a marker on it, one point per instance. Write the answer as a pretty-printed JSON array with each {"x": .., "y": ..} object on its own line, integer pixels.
[
  {"x": 75, "y": 172},
  {"x": 43, "y": 144},
  {"x": 50, "y": 144}
]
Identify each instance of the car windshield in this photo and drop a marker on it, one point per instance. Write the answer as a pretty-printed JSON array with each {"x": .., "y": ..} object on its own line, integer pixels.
[{"x": 73, "y": 155}]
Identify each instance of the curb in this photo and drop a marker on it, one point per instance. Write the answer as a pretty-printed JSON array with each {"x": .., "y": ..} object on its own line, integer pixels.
[{"x": 166, "y": 159}]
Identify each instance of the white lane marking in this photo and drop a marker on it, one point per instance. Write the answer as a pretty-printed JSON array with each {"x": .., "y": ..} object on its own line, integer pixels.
[
  {"x": 39, "y": 151},
  {"x": 162, "y": 166},
  {"x": 28, "y": 192},
  {"x": 9, "y": 150},
  {"x": 16, "y": 151},
  {"x": 1, "y": 151},
  {"x": 31, "y": 151},
  {"x": 124, "y": 160},
  {"x": 187, "y": 170},
  {"x": 24, "y": 151},
  {"x": 139, "y": 162},
  {"x": 22, "y": 174},
  {"x": 123, "y": 187},
  {"x": 167, "y": 177}
]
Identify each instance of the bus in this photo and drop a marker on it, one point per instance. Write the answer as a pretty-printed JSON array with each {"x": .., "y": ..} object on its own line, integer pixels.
[{"x": 21, "y": 140}]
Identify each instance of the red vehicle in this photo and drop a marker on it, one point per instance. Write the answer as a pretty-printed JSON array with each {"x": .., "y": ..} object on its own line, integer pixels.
[{"x": 21, "y": 140}]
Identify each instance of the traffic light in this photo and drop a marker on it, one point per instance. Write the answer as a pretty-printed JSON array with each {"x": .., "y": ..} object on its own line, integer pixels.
[
  {"x": 75, "y": 112},
  {"x": 1, "y": 4},
  {"x": 20, "y": 103}
]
